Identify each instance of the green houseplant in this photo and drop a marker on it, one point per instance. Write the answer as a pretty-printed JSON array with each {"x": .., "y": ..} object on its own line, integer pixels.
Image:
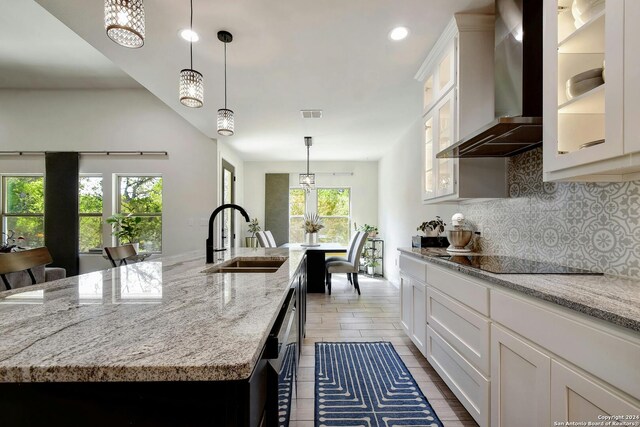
[
  {"x": 371, "y": 229},
  {"x": 433, "y": 227},
  {"x": 370, "y": 260},
  {"x": 254, "y": 227},
  {"x": 126, "y": 228}
]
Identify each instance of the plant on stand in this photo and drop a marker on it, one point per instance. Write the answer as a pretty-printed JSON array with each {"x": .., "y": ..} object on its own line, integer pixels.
[
  {"x": 432, "y": 228},
  {"x": 311, "y": 225},
  {"x": 371, "y": 260},
  {"x": 372, "y": 230},
  {"x": 126, "y": 228},
  {"x": 254, "y": 227}
]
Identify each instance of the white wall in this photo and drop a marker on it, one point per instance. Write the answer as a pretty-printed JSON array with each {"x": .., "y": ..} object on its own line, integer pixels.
[
  {"x": 363, "y": 183},
  {"x": 400, "y": 207},
  {"x": 84, "y": 120}
]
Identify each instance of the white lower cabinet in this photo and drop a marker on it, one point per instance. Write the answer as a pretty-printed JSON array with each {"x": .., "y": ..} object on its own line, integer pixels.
[
  {"x": 520, "y": 382},
  {"x": 466, "y": 382},
  {"x": 579, "y": 397},
  {"x": 413, "y": 310},
  {"x": 406, "y": 294}
]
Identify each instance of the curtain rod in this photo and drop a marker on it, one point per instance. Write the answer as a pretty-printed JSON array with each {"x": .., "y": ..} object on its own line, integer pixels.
[{"x": 87, "y": 153}]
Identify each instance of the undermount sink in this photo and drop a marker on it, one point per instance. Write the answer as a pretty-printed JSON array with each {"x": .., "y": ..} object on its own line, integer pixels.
[{"x": 248, "y": 265}]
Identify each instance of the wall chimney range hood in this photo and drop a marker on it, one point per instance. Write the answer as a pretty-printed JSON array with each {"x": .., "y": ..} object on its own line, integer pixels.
[{"x": 518, "y": 86}]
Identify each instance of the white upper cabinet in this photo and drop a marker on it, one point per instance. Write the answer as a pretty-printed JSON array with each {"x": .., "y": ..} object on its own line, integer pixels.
[
  {"x": 457, "y": 81},
  {"x": 590, "y": 133}
]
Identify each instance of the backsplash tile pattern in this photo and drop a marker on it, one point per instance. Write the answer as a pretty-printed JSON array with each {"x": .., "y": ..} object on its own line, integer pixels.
[{"x": 587, "y": 225}]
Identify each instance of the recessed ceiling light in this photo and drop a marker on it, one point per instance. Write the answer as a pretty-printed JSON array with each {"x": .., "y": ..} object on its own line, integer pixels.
[
  {"x": 188, "y": 35},
  {"x": 399, "y": 33}
]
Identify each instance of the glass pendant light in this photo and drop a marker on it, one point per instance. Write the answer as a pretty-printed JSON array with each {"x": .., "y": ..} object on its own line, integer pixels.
[
  {"x": 225, "y": 116},
  {"x": 191, "y": 82},
  {"x": 307, "y": 180},
  {"x": 124, "y": 22}
]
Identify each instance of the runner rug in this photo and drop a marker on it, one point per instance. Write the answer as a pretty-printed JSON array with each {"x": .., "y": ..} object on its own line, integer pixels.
[{"x": 367, "y": 384}]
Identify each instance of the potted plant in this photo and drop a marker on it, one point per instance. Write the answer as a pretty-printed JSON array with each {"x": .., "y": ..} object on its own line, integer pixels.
[
  {"x": 371, "y": 229},
  {"x": 370, "y": 261},
  {"x": 432, "y": 228},
  {"x": 254, "y": 227},
  {"x": 311, "y": 225},
  {"x": 126, "y": 228}
]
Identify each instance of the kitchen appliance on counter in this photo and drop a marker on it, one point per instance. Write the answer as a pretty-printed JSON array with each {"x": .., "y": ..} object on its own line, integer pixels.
[
  {"x": 499, "y": 264},
  {"x": 459, "y": 236}
]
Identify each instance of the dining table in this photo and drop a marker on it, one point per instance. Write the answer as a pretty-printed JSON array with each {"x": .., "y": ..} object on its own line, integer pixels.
[{"x": 316, "y": 267}]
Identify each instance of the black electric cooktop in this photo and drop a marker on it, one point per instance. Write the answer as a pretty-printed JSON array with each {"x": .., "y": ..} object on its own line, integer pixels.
[{"x": 509, "y": 265}]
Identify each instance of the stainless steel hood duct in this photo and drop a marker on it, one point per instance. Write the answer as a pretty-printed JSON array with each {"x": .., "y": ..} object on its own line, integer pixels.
[{"x": 518, "y": 86}]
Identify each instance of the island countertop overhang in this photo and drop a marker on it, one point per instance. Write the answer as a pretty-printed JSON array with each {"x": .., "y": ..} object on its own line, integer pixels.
[{"x": 162, "y": 320}]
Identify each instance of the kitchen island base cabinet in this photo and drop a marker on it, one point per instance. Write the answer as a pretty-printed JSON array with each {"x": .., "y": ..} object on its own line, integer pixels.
[
  {"x": 147, "y": 404},
  {"x": 520, "y": 382}
]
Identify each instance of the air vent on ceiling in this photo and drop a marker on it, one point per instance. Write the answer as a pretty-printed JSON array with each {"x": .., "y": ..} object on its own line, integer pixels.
[{"x": 311, "y": 114}]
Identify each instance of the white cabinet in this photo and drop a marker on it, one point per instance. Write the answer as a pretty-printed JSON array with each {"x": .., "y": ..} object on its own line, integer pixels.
[
  {"x": 457, "y": 79},
  {"x": 519, "y": 382},
  {"x": 604, "y": 114},
  {"x": 413, "y": 311},
  {"x": 579, "y": 397}
]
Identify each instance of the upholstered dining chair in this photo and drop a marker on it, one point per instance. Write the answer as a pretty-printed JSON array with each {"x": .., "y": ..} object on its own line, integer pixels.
[
  {"x": 352, "y": 242},
  {"x": 351, "y": 265},
  {"x": 266, "y": 240},
  {"x": 14, "y": 262},
  {"x": 118, "y": 254}
]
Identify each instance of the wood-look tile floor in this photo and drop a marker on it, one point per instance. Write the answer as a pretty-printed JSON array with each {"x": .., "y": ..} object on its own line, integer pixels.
[{"x": 373, "y": 316}]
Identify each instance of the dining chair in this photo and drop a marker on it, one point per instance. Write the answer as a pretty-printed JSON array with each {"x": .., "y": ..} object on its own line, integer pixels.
[
  {"x": 351, "y": 265},
  {"x": 118, "y": 254},
  {"x": 266, "y": 240},
  {"x": 14, "y": 262},
  {"x": 352, "y": 242}
]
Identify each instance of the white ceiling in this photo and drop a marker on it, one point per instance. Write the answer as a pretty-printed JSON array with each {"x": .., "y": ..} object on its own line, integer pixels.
[
  {"x": 37, "y": 51},
  {"x": 287, "y": 55}
]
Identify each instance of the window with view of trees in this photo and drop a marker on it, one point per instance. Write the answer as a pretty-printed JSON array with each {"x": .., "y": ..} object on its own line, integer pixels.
[
  {"x": 90, "y": 213},
  {"x": 297, "y": 203},
  {"x": 141, "y": 196},
  {"x": 23, "y": 208},
  {"x": 334, "y": 208}
]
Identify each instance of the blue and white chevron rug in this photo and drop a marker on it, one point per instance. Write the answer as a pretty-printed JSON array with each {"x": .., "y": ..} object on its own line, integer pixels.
[{"x": 367, "y": 384}]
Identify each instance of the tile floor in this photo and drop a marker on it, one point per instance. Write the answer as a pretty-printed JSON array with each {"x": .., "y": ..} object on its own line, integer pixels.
[{"x": 373, "y": 316}]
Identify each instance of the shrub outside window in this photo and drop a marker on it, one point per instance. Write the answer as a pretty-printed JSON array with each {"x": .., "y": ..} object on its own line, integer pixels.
[
  {"x": 23, "y": 208},
  {"x": 141, "y": 196}
]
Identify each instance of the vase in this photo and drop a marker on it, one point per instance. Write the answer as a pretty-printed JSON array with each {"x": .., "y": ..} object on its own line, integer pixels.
[
  {"x": 311, "y": 238},
  {"x": 251, "y": 242},
  {"x": 432, "y": 233},
  {"x": 371, "y": 270},
  {"x": 136, "y": 246}
]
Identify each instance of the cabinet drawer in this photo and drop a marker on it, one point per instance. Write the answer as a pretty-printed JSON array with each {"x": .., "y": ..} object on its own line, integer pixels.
[
  {"x": 413, "y": 267},
  {"x": 467, "y": 383},
  {"x": 460, "y": 288},
  {"x": 462, "y": 328},
  {"x": 580, "y": 341}
]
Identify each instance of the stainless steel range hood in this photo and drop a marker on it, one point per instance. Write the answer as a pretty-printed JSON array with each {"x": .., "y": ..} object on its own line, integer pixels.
[{"x": 518, "y": 86}]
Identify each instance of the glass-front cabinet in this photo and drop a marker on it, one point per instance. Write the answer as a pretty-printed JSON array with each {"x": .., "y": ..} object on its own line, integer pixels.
[
  {"x": 584, "y": 89},
  {"x": 439, "y": 133}
]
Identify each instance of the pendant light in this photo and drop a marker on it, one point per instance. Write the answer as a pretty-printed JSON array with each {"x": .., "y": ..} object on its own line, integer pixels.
[
  {"x": 124, "y": 22},
  {"x": 307, "y": 180},
  {"x": 191, "y": 87},
  {"x": 225, "y": 116}
]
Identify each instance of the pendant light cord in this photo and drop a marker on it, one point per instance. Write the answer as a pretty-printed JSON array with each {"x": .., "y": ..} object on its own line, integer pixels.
[
  {"x": 191, "y": 35},
  {"x": 307, "y": 161},
  {"x": 225, "y": 75}
]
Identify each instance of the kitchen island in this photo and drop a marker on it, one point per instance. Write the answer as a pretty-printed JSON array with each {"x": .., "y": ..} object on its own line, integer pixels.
[{"x": 164, "y": 342}]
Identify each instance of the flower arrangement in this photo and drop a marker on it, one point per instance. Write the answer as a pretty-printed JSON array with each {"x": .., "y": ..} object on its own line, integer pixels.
[
  {"x": 254, "y": 227},
  {"x": 11, "y": 243},
  {"x": 312, "y": 223},
  {"x": 433, "y": 227},
  {"x": 126, "y": 228}
]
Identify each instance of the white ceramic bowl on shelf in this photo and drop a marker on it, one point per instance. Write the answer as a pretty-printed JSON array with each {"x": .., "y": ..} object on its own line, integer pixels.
[{"x": 583, "y": 86}]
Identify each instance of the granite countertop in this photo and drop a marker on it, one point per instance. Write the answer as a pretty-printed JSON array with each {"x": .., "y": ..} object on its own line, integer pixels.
[
  {"x": 160, "y": 320},
  {"x": 610, "y": 298}
]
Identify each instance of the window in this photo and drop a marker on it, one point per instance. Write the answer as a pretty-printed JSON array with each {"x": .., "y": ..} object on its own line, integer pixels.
[
  {"x": 141, "y": 196},
  {"x": 23, "y": 208},
  {"x": 297, "y": 203},
  {"x": 334, "y": 208},
  {"x": 90, "y": 213}
]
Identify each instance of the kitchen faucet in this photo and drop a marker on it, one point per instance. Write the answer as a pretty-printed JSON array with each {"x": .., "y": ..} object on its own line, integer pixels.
[{"x": 210, "y": 249}]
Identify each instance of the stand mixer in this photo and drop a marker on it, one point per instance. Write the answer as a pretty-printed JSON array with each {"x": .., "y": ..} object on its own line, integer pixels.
[{"x": 459, "y": 236}]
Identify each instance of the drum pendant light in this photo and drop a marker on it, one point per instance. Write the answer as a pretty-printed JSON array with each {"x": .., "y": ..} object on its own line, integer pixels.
[
  {"x": 307, "y": 180},
  {"x": 124, "y": 22},
  {"x": 191, "y": 86},
  {"x": 225, "y": 116}
]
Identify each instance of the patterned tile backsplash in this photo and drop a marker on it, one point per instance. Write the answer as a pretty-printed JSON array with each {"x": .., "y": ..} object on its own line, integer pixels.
[{"x": 593, "y": 226}]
